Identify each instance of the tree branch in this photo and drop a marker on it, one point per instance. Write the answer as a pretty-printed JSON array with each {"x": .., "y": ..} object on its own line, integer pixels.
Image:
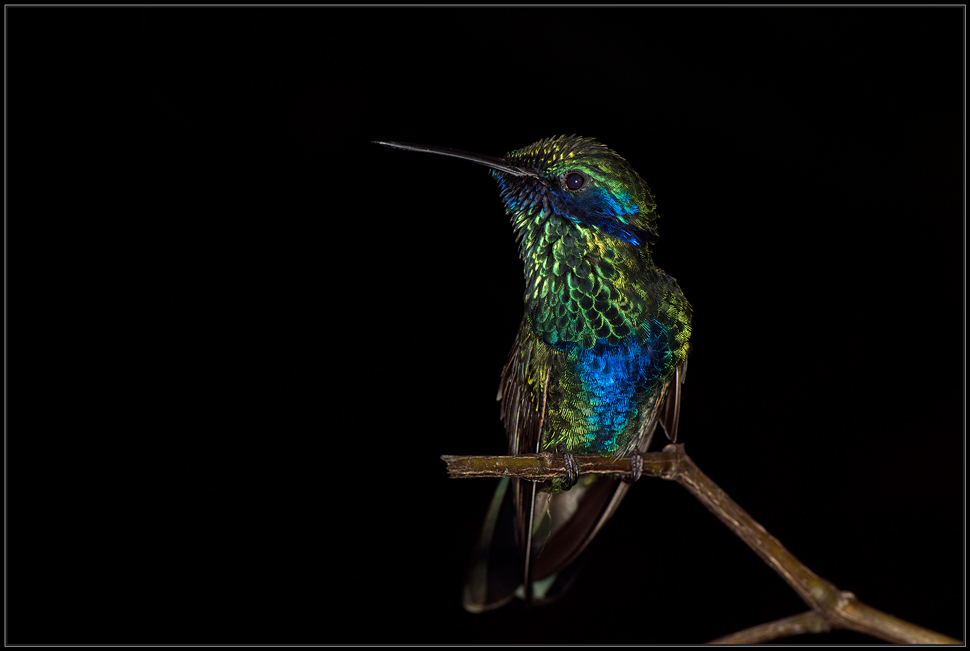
[{"x": 830, "y": 606}]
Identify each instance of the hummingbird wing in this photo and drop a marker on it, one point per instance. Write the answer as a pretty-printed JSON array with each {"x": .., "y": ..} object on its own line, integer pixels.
[
  {"x": 495, "y": 573},
  {"x": 523, "y": 391},
  {"x": 670, "y": 407},
  {"x": 496, "y": 570}
]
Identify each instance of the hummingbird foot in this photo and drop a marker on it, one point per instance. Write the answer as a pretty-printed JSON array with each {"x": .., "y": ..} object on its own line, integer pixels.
[
  {"x": 636, "y": 461},
  {"x": 572, "y": 468}
]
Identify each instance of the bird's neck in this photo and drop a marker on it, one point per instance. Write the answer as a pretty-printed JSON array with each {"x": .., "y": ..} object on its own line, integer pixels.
[{"x": 581, "y": 286}]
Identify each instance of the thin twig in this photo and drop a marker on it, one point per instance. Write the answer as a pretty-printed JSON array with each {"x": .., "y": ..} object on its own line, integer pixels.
[
  {"x": 808, "y": 622},
  {"x": 838, "y": 608}
]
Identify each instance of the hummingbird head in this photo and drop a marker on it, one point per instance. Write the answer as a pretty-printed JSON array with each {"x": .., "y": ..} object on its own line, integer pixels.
[{"x": 583, "y": 181}]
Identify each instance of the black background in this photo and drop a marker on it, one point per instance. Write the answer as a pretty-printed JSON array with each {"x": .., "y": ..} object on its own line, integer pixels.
[{"x": 241, "y": 335}]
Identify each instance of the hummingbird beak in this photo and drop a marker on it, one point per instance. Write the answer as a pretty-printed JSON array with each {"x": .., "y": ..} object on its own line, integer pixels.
[{"x": 493, "y": 162}]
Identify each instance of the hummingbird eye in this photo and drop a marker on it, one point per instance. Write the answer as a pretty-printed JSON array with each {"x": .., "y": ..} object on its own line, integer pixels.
[{"x": 575, "y": 180}]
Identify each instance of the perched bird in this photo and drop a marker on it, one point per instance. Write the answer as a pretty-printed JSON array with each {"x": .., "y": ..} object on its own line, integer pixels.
[{"x": 598, "y": 361}]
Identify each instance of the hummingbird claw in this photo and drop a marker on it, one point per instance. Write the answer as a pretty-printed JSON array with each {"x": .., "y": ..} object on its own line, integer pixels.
[
  {"x": 636, "y": 461},
  {"x": 572, "y": 468}
]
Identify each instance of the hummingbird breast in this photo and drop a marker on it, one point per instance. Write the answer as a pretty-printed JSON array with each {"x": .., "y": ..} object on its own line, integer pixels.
[{"x": 582, "y": 286}]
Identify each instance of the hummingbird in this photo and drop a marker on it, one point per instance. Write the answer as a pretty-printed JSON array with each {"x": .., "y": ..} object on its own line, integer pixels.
[{"x": 598, "y": 362}]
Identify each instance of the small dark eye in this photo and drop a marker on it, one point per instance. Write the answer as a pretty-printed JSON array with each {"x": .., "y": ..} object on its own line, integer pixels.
[{"x": 574, "y": 181}]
